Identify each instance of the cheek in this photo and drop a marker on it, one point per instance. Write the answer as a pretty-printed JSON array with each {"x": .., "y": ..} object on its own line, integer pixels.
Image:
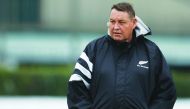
[
  {"x": 128, "y": 29},
  {"x": 127, "y": 32},
  {"x": 110, "y": 29},
  {"x": 124, "y": 30}
]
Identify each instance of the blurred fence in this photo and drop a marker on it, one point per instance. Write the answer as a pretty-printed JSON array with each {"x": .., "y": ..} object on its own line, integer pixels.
[{"x": 60, "y": 48}]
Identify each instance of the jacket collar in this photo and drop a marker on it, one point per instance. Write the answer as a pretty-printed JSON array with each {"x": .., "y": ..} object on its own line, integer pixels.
[
  {"x": 141, "y": 28},
  {"x": 122, "y": 44}
]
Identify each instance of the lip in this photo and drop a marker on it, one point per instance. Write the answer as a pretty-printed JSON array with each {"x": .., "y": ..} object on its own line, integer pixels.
[{"x": 117, "y": 33}]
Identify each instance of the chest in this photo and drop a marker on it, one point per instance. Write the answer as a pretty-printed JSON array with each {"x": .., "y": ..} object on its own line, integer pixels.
[{"x": 111, "y": 61}]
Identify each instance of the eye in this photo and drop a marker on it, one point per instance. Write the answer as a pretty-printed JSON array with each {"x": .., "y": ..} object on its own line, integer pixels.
[
  {"x": 112, "y": 21},
  {"x": 122, "y": 22}
]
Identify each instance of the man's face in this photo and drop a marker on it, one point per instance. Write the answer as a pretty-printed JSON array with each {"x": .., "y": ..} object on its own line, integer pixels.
[{"x": 121, "y": 26}]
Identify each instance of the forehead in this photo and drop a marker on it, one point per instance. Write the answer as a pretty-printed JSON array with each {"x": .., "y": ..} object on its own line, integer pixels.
[{"x": 118, "y": 15}]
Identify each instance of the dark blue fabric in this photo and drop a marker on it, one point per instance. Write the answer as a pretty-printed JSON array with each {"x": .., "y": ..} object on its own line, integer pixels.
[{"x": 125, "y": 76}]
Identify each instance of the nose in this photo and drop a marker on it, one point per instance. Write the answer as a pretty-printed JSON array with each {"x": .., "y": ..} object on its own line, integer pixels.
[{"x": 116, "y": 26}]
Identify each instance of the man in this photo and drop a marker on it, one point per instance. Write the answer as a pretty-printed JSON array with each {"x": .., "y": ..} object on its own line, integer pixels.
[{"x": 122, "y": 70}]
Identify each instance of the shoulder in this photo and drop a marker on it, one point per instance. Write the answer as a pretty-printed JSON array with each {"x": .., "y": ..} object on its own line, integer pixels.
[
  {"x": 99, "y": 40},
  {"x": 96, "y": 43},
  {"x": 153, "y": 51},
  {"x": 150, "y": 45}
]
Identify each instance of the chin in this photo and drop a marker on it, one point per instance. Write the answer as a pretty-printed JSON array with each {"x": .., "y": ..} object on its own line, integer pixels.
[{"x": 118, "y": 39}]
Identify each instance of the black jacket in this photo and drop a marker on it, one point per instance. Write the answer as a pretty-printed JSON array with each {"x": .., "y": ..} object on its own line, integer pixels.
[{"x": 112, "y": 75}]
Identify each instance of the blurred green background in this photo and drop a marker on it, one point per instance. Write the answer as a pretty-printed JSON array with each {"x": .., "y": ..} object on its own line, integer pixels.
[{"x": 40, "y": 40}]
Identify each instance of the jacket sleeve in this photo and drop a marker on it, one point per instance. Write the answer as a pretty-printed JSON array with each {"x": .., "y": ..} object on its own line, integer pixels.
[
  {"x": 164, "y": 95},
  {"x": 78, "y": 96}
]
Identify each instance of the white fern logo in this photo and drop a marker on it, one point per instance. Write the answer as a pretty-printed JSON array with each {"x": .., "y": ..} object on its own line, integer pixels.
[{"x": 142, "y": 64}]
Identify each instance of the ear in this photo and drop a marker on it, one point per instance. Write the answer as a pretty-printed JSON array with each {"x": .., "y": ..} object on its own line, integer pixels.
[
  {"x": 134, "y": 21},
  {"x": 108, "y": 24}
]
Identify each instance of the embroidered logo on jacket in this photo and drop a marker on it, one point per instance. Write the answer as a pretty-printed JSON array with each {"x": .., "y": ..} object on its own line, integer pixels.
[{"x": 142, "y": 64}]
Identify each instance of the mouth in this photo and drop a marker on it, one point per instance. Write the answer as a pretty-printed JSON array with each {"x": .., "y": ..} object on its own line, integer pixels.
[{"x": 117, "y": 33}]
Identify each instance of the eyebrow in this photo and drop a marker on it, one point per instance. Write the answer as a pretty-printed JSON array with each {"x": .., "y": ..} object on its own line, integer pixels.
[{"x": 119, "y": 20}]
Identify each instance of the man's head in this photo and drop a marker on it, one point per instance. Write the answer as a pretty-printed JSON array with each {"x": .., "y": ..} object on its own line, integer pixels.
[{"x": 122, "y": 22}]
